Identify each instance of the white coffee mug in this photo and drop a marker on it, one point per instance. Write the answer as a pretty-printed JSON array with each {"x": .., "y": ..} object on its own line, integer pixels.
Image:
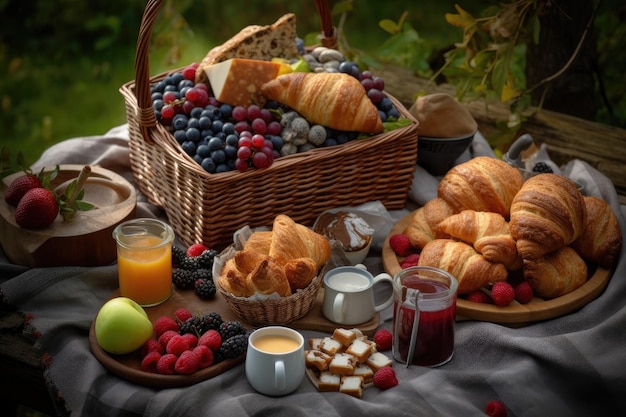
[
  {"x": 349, "y": 295},
  {"x": 275, "y": 360}
]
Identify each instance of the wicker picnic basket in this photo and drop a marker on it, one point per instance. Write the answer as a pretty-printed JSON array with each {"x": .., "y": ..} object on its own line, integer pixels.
[{"x": 209, "y": 208}]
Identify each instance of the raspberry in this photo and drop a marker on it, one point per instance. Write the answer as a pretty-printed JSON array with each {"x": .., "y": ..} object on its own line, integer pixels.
[
  {"x": 495, "y": 408},
  {"x": 191, "y": 339},
  {"x": 165, "y": 337},
  {"x": 150, "y": 361},
  {"x": 205, "y": 355},
  {"x": 152, "y": 345},
  {"x": 187, "y": 363},
  {"x": 411, "y": 260},
  {"x": 383, "y": 339},
  {"x": 385, "y": 378},
  {"x": 177, "y": 345},
  {"x": 400, "y": 244},
  {"x": 165, "y": 323},
  {"x": 479, "y": 296},
  {"x": 166, "y": 364},
  {"x": 502, "y": 293},
  {"x": 182, "y": 314},
  {"x": 524, "y": 293},
  {"x": 211, "y": 339},
  {"x": 196, "y": 249}
]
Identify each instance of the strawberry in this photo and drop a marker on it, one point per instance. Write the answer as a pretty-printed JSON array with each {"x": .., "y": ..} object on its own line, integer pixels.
[
  {"x": 19, "y": 187},
  {"x": 37, "y": 209},
  {"x": 383, "y": 339},
  {"x": 524, "y": 293},
  {"x": 478, "y": 297},
  {"x": 385, "y": 378},
  {"x": 400, "y": 244},
  {"x": 196, "y": 250},
  {"x": 495, "y": 408},
  {"x": 502, "y": 293},
  {"x": 409, "y": 261}
]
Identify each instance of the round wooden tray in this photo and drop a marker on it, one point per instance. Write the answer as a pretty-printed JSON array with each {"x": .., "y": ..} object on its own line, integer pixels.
[{"x": 515, "y": 313}]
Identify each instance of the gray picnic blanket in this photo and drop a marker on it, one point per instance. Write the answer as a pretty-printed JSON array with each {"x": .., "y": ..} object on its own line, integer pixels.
[{"x": 573, "y": 365}]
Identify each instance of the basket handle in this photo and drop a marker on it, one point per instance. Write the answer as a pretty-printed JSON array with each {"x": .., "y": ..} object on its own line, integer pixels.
[{"x": 146, "y": 117}]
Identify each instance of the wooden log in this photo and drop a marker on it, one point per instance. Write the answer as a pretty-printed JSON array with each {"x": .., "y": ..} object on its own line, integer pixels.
[{"x": 566, "y": 137}]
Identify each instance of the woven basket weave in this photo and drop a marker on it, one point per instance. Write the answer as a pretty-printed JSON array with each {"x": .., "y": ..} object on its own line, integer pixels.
[{"x": 209, "y": 208}]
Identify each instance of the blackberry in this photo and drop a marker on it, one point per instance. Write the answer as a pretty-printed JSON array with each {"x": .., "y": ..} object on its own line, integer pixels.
[
  {"x": 177, "y": 255},
  {"x": 212, "y": 321},
  {"x": 233, "y": 347},
  {"x": 206, "y": 258},
  {"x": 205, "y": 288},
  {"x": 229, "y": 329},
  {"x": 183, "y": 279},
  {"x": 542, "y": 168},
  {"x": 189, "y": 263},
  {"x": 192, "y": 325}
]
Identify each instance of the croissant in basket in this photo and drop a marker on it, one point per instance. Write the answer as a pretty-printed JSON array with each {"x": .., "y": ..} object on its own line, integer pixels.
[
  {"x": 334, "y": 100},
  {"x": 281, "y": 261}
]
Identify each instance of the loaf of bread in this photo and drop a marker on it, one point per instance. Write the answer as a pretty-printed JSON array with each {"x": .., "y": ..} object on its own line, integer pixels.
[
  {"x": 255, "y": 42},
  {"x": 547, "y": 214},
  {"x": 601, "y": 242},
  {"x": 470, "y": 268},
  {"x": 487, "y": 232},
  {"x": 481, "y": 184},
  {"x": 334, "y": 100},
  {"x": 557, "y": 273},
  {"x": 424, "y": 225}
]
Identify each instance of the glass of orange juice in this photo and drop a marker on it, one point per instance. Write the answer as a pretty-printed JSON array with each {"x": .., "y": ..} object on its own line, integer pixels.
[{"x": 144, "y": 260}]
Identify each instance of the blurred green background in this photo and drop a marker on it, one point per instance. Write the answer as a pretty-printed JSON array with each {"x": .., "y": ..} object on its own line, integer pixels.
[{"x": 62, "y": 62}]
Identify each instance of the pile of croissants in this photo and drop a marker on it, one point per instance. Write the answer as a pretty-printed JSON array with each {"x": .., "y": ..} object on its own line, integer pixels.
[
  {"x": 487, "y": 222},
  {"x": 282, "y": 260}
]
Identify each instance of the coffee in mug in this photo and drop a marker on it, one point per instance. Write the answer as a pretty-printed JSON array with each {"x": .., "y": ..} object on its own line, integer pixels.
[{"x": 275, "y": 360}]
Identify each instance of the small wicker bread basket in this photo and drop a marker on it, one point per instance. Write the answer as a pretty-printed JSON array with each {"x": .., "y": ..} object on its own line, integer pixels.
[{"x": 209, "y": 208}]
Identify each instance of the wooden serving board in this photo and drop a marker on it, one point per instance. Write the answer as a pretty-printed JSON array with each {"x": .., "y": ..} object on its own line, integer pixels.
[
  {"x": 515, "y": 314},
  {"x": 84, "y": 240},
  {"x": 129, "y": 366}
]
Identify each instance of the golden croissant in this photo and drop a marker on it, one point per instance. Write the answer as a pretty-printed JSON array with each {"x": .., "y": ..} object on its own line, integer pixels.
[
  {"x": 547, "y": 214},
  {"x": 424, "y": 225},
  {"x": 602, "y": 240},
  {"x": 470, "y": 268},
  {"x": 482, "y": 184},
  {"x": 487, "y": 232},
  {"x": 334, "y": 100},
  {"x": 556, "y": 273}
]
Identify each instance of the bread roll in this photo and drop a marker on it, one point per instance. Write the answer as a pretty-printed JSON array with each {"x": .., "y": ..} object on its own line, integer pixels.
[
  {"x": 547, "y": 214},
  {"x": 601, "y": 241},
  {"x": 481, "y": 184},
  {"x": 334, "y": 100},
  {"x": 470, "y": 268},
  {"x": 556, "y": 273},
  {"x": 487, "y": 232}
]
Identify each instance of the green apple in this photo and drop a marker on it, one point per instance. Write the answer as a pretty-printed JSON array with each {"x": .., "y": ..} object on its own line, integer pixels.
[{"x": 122, "y": 326}]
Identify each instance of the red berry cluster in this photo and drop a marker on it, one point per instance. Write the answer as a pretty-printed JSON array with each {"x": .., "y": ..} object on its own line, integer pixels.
[
  {"x": 503, "y": 293},
  {"x": 170, "y": 353}
]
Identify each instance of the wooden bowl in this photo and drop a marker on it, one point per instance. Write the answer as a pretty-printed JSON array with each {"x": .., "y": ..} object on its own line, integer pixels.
[{"x": 86, "y": 239}]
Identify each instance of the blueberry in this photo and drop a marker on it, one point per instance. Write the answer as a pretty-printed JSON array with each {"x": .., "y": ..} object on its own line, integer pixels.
[
  {"x": 393, "y": 113},
  {"x": 218, "y": 156},
  {"x": 226, "y": 110},
  {"x": 385, "y": 104},
  {"x": 189, "y": 147},
  {"x": 185, "y": 83},
  {"x": 383, "y": 115},
  {"x": 204, "y": 122},
  {"x": 180, "y": 136},
  {"x": 228, "y": 128},
  {"x": 176, "y": 78},
  {"x": 179, "y": 121},
  {"x": 215, "y": 144},
  {"x": 193, "y": 134},
  {"x": 208, "y": 165},
  {"x": 203, "y": 151},
  {"x": 193, "y": 122},
  {"x": 196, "y": 112},
  {"x": 232, "y": 140},
  {"x": 217, "y": 126},
  {"x": 330, "y": 142},
  {"x": 230, "y": 151}
]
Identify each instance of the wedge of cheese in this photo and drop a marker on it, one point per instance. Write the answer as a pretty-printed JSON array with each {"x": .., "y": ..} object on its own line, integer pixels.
[{"x": 238, "y": 81}]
